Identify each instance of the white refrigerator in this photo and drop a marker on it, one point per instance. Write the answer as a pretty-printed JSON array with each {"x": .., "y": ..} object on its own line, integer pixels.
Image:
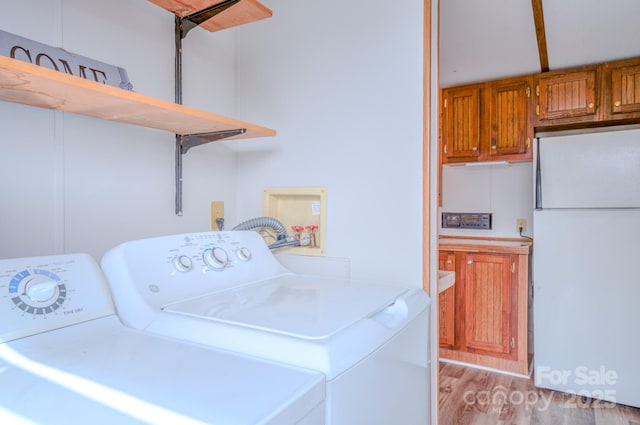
[{"x": 586, "y": 265}]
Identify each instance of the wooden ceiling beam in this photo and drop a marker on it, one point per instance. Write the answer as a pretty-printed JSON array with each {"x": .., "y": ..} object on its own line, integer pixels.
[{"x": 538, "y": 20}]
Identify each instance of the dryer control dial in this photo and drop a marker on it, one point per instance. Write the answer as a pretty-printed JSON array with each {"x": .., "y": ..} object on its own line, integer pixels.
[
  {"x": 244, "y": 254},
  {"x": 37, "y": 291},
  {"x": 40, "y": 288},
  {"x": 216, "y": 258}
]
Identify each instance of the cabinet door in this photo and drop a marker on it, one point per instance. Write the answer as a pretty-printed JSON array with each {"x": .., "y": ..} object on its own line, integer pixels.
[
  {"x": 510, "y": 129},
  {"x": 446, "y": 302},
  {"x": 567, "y": 95},
  {"x": 461, "y": 130},
  {"x": 489, "y": 281},
  {"x": 625, "y": 89}
]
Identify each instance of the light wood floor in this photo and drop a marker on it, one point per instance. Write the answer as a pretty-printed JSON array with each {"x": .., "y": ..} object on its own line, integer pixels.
[{"x": 470, "y": 396}]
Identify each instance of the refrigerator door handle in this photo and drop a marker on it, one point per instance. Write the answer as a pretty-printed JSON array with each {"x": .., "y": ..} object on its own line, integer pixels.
[{"x": 538, "y": 201}]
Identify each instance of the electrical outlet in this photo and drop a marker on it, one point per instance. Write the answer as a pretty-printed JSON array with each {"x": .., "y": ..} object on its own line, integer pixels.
[
  {"x": 217, "y": 215},
  {"x": 521, "y": 225}
]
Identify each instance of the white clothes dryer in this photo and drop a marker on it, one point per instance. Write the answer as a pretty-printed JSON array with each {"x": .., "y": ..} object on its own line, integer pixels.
[
  {"x": 65, "y": 358},
  {"x": 227, "y": 290}
]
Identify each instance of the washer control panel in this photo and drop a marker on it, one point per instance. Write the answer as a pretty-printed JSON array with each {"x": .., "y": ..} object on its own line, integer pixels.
[
  {"x": 38, "y": 294},
  {"x": 203, "y": 252},
  {"x": 146, "y": 275}
]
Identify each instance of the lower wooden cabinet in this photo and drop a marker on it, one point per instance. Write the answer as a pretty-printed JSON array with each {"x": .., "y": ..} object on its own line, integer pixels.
[
  {"x": 446, "y": 302},
  {"x": 489, "y": 289},
  {"x": 484, "y": 316}
]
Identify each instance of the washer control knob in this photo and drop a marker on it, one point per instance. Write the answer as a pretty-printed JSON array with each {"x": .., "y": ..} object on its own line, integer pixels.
[
  {"x": 216, "y": 258},
  {"x": 182, "y": 263},
  {"x": 40, "y": 289},
  {"x": 244, "y": 254}
]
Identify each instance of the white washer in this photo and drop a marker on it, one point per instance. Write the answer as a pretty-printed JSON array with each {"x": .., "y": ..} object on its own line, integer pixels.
[
  {"x": 65, "y": 358},
  {"x": 227, "y": 290}
]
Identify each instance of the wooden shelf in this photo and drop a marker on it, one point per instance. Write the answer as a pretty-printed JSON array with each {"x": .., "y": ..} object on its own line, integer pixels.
[
  {"x": 28, "y": 84},
  {"x": 244, "y": 12}
]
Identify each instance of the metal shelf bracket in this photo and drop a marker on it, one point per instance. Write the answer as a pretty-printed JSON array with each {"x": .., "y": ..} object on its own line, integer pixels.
[
  {"x": 189, "y": 22},
  {"x": 185, "y": 142},
  {"x": 192, "y": 140}
]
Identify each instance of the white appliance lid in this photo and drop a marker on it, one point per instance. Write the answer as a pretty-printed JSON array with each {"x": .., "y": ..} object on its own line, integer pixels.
[
  {"x": 308, "y": 307},
  {"x": 120, "y": 375}
]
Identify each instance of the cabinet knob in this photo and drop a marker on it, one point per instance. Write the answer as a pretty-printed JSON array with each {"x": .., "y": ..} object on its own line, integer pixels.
[
  {"x": 469, "y": 261},
  {"x": 591, "y": 106},
  {"x": 494, "y": 147},
  {"x": 474, "y": 148},
  {"x": 618, "y": 103}
]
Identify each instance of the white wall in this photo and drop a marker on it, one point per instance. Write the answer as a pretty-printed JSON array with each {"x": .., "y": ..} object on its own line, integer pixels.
[
  {"x": 71, "y": 183},
  {"x": 341, "y": 82},
  {"x": 504, "y": 190}
]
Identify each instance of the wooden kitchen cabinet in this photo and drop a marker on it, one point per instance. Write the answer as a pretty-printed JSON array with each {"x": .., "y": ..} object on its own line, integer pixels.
[
  {"x": 622, "y": 89},
  {"x": 461, "y": 129},
  {"x": 446, "y": 302},
  {"x": 497, "y": 120},
  {"x": 510, "y": 126},
  {"x": 489, "y": 288},
  {"x": 487, "y": 122},
  {"x": 491, "y": 320},
  {"x": 567, "y": 96},
  {"x": 590, "y": 96}
]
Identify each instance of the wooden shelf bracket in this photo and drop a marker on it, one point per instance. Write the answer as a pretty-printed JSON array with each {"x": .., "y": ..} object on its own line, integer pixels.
[{"x": 185, "y": 142}]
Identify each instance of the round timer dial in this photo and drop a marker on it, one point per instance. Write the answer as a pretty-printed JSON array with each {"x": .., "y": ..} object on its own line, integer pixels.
[
  {"x": 244, "y": 254},
  {"x": 216, "y": 258},
  {"x": 182, "y": 263},
  {"x": 37, "y": 291}
]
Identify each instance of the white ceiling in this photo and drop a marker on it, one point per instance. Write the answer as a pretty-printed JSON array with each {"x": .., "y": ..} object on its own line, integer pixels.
[{"x": 482, "y": 40}]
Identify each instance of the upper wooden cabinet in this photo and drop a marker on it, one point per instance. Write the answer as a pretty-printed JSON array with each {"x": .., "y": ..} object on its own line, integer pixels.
[
  {"x": 567, "y": 96},
  {"x": 497, "y": 120},
  {"x": 487, "y": 122},
  {"x": 589, "y": 96},
  {"x": 461, "y": 129},
  {"x": 622, "y": 99},
  {"x": 510, "y": 125}
]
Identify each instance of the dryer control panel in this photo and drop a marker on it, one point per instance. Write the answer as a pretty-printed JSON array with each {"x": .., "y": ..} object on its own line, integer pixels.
[{"x": 39, "y": 294}]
